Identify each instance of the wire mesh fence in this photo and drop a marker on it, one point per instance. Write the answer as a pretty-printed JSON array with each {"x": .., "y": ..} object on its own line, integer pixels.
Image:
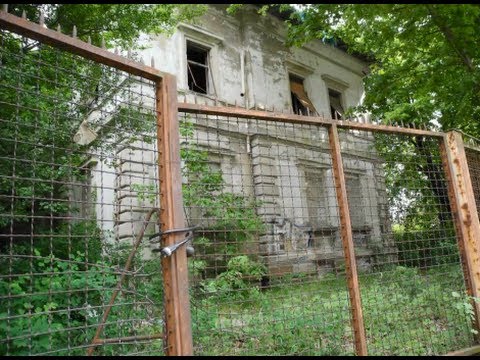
[
  {"x": 78, "y": 186},
  {"x": 413, "y": 290},
  {"x": 473, "y": 160},
  {"x": 263, "y": 196},
  {"x": 269, "y": 274},
  {"x": 276, "y": 254}
]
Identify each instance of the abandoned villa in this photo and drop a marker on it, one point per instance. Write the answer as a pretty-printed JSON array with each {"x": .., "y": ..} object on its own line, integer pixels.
[{"x": 241, "y": 60}]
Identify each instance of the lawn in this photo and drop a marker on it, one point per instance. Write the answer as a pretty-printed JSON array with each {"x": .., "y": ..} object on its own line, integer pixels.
[{"x": 406, "y": 312}]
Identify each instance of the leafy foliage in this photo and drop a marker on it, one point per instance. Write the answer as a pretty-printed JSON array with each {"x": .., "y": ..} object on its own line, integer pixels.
[
  {"x": 56, "y": 270},
  {"x": 418, "y": 200},
  {"x": 42, "y": 321},
  {"x": 222, "y": 210},
  {"x": 422, "y": 57},
  {"x": 465, "y": 305},
  {"x": 241, "y": 270},
  {"x": 119, "y": 24},
  {"x": 50, "y": 93},
  {"x": 406, "y": 312},
  {"x": 57, "y": 309}
]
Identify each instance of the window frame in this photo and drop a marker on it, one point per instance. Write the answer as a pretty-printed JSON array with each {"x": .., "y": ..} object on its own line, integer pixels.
[
  {"x": 207, "y": 66},
  {"x": 332, "y": 108},
  {"x": 205, "y": 39},
  {"x": 337, "y": 85},
  {"x": 305, "y": 103}
]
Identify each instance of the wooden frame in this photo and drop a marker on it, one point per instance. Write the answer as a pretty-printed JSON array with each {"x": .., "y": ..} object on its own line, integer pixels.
[
  {"x": 300, "y": 119},
  {"x": 175, "y": 271},
  {"x": 76, "y": 46},
  {"x": 465, "y": 216},
  {"x": 177, "y": 306},
  {"x": 347, "y": 241}
]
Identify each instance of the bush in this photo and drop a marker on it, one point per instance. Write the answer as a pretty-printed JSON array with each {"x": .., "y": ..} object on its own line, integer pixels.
[
  {"x": 41, "y": 309},
  {"x": 241, "y": 271},
  {"x": 425, "y": 246}
]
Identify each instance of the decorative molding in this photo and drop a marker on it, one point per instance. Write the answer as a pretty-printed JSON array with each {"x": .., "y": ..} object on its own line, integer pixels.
[
  {"x": 320, "y": 164},
  {"x": 335, "y": 83},
  {"x": 298, "y": 68},
  {"x": 352, "y": 64},
  {"x": 200, "y": 35},
  {"x": 355, "y": 172}
]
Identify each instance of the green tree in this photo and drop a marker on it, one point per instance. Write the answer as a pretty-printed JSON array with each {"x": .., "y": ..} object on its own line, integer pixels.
[
  {"x": 119, "y": 24},
  {"x": 55, "y": 265},
  {"x": 231, "y": 226},
  {"x": 423, "y": 71},
  {"x": 47, "y": 95},
  {"x": 423, "y": 68}
]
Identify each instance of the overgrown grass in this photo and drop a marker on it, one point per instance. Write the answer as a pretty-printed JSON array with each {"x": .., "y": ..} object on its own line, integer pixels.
[{"x": 406, "y": 312}]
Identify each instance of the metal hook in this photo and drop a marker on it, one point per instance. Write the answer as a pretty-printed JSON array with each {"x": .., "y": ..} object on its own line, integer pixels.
[{"x": 169, "y": 250}]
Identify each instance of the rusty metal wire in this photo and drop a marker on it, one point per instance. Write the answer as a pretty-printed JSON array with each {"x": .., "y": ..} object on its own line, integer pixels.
[
  {"x": 473, "y": 160},
  {"x": 412, "y": 285},
  {"x": 267, "y": 276},
  {"x": 277, "y": 208},
  {"x": 269, "y": 273},
  {"x": 78, "y": 174}
]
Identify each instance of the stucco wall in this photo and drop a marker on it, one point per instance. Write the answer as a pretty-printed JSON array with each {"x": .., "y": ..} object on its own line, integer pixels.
[
  {"x": 248, "y": 56},
  {"x": 258, "y": 42}
]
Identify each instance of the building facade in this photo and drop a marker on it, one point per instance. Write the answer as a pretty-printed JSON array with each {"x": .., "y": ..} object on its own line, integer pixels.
[{"x": 242, "y": 60}]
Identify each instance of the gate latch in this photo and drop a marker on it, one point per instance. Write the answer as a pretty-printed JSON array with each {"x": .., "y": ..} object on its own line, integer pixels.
[{"x": 169, "y": 250}]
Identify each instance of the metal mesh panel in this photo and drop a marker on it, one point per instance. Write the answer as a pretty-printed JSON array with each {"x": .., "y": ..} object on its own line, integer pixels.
[
  {"x": 269, "y": 272},
  {"x": 267, "y": 276},
  {"x": 78, "y": 179},
  {"x": 273, "y": 269},
  {"x": 411, "y": 280}
]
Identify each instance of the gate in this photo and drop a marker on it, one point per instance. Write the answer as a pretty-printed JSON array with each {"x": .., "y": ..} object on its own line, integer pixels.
[
  {"x": 307, "y": 236},
  {"x": 88, "y": 141}
]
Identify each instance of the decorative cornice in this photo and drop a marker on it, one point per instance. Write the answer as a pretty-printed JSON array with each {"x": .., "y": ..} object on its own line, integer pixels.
[{"x": 200, "y": 34}]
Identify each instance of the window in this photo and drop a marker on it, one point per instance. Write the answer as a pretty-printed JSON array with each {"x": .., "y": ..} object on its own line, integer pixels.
[
  {"x": 82, "y": 193},
  {"x": 336, "y": 108},
  {"x": 355, "y": 200},
  {"x": 301, "y": 104},
  {"x": 317, "y": 204},
  {"x": 335, "y": 89},
  {"x": 200, "y": 61},
  {"x": 316, "y": 199},
  {"x": 322, "y": 234},
  {"x": 198, "y": 69}
]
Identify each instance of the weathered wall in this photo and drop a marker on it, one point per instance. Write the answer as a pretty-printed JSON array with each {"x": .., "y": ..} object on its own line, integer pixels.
[
  {"x": 271, "y": 164},
  {"x": 260, "y": 43},
  {"x": 268, "y": 163}
]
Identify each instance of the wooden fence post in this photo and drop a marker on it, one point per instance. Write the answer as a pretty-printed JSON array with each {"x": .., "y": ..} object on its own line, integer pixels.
[
  {"x": 464, "y": 211},
  {"x": 174, "y": 267},
  {"x": 347, "y": 241}
]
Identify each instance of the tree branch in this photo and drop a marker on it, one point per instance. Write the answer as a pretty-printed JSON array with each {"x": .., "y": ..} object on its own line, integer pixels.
[{"x": 447, "y": 32}]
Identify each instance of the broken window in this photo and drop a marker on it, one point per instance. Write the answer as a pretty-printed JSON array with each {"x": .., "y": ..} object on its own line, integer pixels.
[
  {"x": 301, "y": 104},
  {"x": 197, "y": 67},
  {"x": 336, "y": 107}
]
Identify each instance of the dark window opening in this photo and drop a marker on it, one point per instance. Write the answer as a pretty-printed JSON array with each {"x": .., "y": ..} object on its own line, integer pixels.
[
  {"x": 197, "y": 67},
  {"x": 336, "y": 108},
  {"x": 301, "y": 104}
]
